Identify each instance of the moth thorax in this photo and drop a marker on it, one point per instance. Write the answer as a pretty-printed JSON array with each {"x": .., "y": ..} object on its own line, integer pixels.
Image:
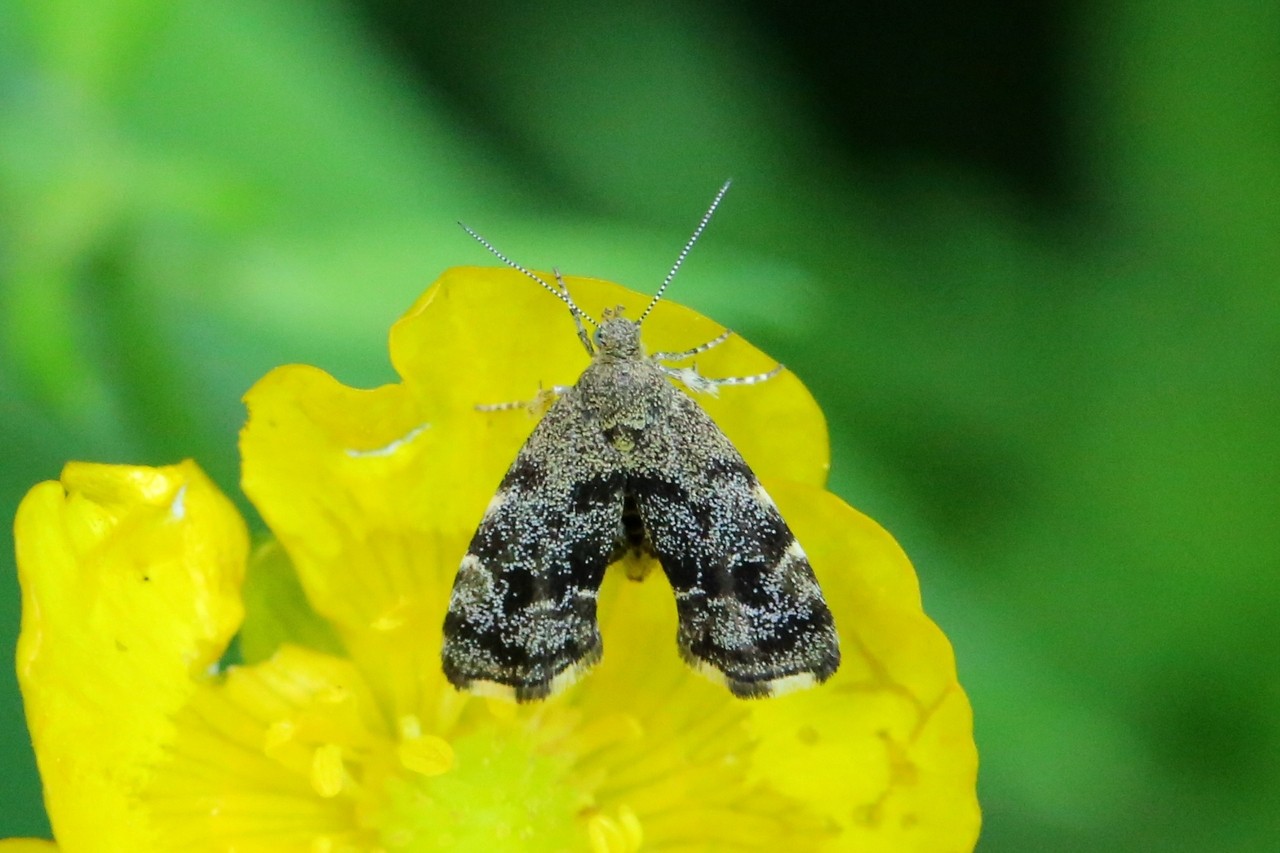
[{"x": 617, "y": 338}]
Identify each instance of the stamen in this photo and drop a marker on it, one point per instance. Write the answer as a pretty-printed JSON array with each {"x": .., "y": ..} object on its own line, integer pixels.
[
  {"x": 426, "y": 756},
  {"x": 630, "y": 823},
  {"x": 278, "y": 734},
  {"x": 410, "y": 727},
  {"x": 606, "y": 835},
  {"x": 327, "y": 770}
]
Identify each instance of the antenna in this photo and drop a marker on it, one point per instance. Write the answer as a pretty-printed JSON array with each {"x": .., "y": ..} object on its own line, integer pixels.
[
  {"x": 697, "y": 232},
  {"x": 562, "y": 295}
]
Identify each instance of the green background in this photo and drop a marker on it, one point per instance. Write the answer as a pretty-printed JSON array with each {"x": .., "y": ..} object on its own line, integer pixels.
[{"x": 1025, "y": 256}]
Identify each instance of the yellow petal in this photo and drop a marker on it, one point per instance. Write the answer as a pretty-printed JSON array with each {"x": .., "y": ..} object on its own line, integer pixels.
[
  {"x": 354, "y": 484},
  {"x": 27, "y": 845},
  {"x": 130, "y": 580},
  {"x": 885, "y": 748}
]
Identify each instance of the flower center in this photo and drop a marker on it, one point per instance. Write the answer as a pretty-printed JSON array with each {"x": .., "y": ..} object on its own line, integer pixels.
[
  {"x": 295, "y": 749},
  {"x": 499, "y": 795},
  {"x": 295, "y": 752}
]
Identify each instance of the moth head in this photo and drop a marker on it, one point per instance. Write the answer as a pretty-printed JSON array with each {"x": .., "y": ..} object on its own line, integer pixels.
[{"x": 617, "y": 338}]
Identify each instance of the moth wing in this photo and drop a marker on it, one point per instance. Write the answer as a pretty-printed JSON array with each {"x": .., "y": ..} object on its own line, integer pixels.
[
  {"x": 750, "y": 610},
  {"x": 522, "y": 614}
]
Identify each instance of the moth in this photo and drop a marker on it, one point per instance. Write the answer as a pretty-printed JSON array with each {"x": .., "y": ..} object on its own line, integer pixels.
[{"x": 624, "y": 461}]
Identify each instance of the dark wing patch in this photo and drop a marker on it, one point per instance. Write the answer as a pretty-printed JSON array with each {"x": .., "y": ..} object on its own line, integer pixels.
[
  {"x": 750, "y": 610},
  {"x": 522, "y": 615}
]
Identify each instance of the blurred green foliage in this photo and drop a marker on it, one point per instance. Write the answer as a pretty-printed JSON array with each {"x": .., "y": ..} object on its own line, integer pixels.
[{"x": 1067, "y": 414}]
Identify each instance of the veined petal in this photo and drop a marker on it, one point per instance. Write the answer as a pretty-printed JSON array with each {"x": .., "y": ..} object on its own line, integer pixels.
[{"x": 130, "y": 579}]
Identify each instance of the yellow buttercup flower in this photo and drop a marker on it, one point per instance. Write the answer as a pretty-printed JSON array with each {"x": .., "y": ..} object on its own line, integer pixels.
[{"x": 339, "y": 731}]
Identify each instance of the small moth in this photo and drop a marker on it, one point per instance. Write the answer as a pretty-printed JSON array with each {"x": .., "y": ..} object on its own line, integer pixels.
[{"x": 624, "y": 462}]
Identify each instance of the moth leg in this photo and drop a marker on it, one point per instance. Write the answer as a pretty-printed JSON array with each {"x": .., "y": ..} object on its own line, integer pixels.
[
  {"x": 536, "y": 406},
  {"x": 696, "y": 382},
  {"x": 577, "y": 315},
  {"x": 690, "y": 353}
]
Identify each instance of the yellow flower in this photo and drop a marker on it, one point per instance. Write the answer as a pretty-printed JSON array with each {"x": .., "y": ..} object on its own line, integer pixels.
[{"x": 339, "y": 731}]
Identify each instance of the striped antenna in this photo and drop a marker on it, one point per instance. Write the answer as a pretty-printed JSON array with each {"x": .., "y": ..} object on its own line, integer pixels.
[
  {"x": 562, "y": 295},
  {"x": 697, "y": 232}
]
